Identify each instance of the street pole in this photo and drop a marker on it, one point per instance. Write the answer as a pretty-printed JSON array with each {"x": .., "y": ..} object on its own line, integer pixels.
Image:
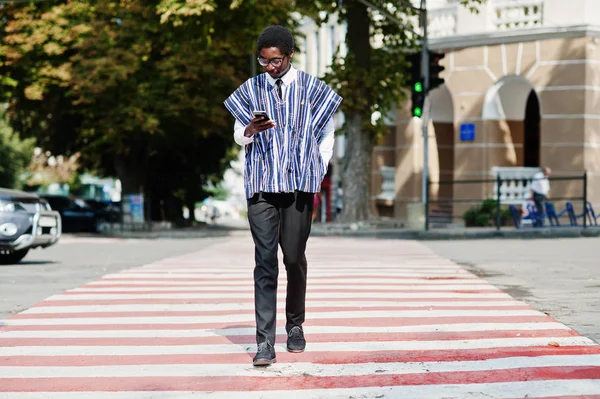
[{"x": 425, "y": 116}]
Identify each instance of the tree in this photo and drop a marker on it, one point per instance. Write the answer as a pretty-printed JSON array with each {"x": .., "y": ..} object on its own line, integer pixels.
[
  {"x": 15, "y": 155},
  {"x": 370, "y": 79},
  {"x": 135, "y": 88}
]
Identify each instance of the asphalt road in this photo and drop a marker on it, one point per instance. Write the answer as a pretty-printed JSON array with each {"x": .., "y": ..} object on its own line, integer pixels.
[
  {"x": 74, "y": 261},
  {"x": 558, "y": 276}
]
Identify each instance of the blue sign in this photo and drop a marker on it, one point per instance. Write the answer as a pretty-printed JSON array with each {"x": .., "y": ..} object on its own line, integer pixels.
[{"x": 467, "y": 132}]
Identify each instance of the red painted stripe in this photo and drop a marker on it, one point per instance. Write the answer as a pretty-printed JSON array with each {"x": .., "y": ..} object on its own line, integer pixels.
[
  {"x": 375, "y": 322},
  {"x": 312, "y": 357},
  {"x": 158, "y": 301},
  {"x": 102, "y": 284},
  {"x": 228, "y": 383},
  {"x": 142, "y": 313},
  {"x": 251, "y": 290},
  {"x": 320, "y": 337}
]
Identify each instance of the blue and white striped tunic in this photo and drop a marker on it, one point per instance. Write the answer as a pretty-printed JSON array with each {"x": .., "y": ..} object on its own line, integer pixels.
[{"x": 285, "y": 158}]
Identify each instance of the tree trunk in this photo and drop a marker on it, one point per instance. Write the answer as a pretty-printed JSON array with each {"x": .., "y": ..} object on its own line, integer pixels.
[
  {"x": 356, "y": 172},
  {"x": 131, "y": 172}
]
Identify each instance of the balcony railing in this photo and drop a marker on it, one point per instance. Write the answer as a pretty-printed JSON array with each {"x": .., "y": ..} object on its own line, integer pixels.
[
  {"x": 444, "y": 17},
  {"x": 442, "y": 21},
  {"x": 520, "y": 14}
]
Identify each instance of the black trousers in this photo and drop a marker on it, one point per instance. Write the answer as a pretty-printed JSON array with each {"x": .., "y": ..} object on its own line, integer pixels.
[
  {"x": 538, "y": 200},
  {"x": 279, "y": 219}
]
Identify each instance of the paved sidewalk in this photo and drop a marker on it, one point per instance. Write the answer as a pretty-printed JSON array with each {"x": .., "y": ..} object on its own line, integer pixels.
[{"x": 385, "y": 319}]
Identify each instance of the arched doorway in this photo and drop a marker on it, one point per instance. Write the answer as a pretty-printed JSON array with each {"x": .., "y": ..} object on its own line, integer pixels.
[
  {"x": 531, "y": 144},
  {"x": 511, "y": 121}
]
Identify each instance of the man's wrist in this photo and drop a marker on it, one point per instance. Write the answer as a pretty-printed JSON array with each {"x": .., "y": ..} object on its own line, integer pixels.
[{"x": 248, "y": 132}]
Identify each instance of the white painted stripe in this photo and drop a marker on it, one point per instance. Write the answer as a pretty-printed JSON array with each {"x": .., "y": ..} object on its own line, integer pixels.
[
  {"x": 278, "y": 370},
  {"x": 499, "y": 390},
  {"x": 323, "y": 295},
  {"x": 313, "y": 282},
  {"x": 238, "y": 318},
  {"x": 195, "y": 307},
  {"x": 469, "y": 327},
  {"x": 249, "y": 287},
  {"x": 313, "y": 274},
  {"x": 375, "y": 346},
  {"x": 325, "y": 267}
]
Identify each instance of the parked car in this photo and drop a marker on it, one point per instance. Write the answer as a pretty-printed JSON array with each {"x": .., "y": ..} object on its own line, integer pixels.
[
  {"x": 76, "y": 215},
  {"x": 109, "y": 211},
  {"x": 26, "y": 222}
]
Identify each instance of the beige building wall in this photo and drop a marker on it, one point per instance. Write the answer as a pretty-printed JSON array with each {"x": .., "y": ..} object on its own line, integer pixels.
[{"x": 488, "y": 86}]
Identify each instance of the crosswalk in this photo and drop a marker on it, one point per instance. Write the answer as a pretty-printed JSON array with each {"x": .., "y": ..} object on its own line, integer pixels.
[{"x": 385, "y": 319}]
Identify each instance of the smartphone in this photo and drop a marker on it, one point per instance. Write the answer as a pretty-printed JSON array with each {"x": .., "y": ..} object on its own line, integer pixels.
[{"x": 261, "y": 114}]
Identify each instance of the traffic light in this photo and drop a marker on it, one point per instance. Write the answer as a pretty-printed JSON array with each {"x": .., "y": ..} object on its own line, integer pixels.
[
  {"x": 435, "y": 69},
  {"x": 418, "y": 99},
  {"x": 416, "y": 82}
]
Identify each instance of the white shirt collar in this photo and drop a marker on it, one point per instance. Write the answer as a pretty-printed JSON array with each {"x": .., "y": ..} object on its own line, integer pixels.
[{"x": 287, "y": 79}]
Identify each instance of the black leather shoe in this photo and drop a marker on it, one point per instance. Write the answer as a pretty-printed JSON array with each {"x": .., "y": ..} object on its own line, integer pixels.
[
  {"x": 296, "y": 342},
  {"x": 265, "y": 354}
]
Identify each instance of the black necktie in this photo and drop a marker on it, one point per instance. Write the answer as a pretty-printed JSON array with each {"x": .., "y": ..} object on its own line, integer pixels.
[{"x": 279, "y": 82}]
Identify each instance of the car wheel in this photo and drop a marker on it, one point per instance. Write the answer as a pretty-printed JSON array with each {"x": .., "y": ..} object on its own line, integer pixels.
[
  {"x": 9, "y": 257},
  {"x": 100, "y": 225}
]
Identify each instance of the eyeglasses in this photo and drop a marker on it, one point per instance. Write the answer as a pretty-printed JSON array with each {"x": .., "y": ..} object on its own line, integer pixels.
[{"x": 273, "y": 61}]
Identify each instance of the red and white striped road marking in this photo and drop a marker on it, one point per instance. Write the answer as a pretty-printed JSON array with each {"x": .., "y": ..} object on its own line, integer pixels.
[{"x": 385, "y": 319}]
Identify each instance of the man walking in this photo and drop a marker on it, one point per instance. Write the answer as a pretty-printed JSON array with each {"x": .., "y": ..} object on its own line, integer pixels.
[
  {"x": 287, "y": 153},
  {"x": 540, "y": 187}
]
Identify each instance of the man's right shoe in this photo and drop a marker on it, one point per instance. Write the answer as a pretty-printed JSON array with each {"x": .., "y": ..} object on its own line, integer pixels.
[{"x": 265, "y": 355}]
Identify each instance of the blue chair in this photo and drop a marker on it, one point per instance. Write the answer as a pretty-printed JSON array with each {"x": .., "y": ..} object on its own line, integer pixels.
[
  {"x": 554, "y": 217},
  {"x": 516, "y": 216},
  {"x": 572, "y": 215},
  {"x": 591, "y": 214},
  {"x": 533, "y": 215}
]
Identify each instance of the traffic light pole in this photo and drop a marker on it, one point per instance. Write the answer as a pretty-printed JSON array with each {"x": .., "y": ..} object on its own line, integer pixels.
[{"x": 426, "y": 108}]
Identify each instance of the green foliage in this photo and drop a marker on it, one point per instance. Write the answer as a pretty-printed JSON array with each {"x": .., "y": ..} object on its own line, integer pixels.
[
  {"x": 15, "y": 155},
  {"x": 484, "y": 215},
  {"x": 136, "y": 89}
]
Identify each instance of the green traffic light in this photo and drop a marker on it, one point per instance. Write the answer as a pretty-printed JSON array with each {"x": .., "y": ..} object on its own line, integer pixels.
[
  {"x": 419, "y": 87},
  {"x": 418, "y": 111}
]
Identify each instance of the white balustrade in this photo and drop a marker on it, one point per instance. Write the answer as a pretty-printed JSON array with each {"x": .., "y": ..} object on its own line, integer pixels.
[
  {"x": 516, "y": 14},
  {"x": 388, "y": 184},
  {"x": 516, "y": 183},
  {"x": 442, "y": 21}
]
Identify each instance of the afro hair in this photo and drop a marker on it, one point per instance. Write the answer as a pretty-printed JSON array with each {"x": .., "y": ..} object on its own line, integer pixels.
[{"x": 276, "y": 36}]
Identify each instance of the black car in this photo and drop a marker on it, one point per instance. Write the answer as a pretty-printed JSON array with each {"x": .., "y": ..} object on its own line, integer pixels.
[
  {"x": 26, "y": 222},
  {"x": 76, "y": 215},
  {"x": 109, "y": 211}
]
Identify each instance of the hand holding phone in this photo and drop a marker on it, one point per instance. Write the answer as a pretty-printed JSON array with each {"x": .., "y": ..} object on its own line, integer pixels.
[
  {"x": 261, "y": 114},
  {"x": 259, "y": 123}
]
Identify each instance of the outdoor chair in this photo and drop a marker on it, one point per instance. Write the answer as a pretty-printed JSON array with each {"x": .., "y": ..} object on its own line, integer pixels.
[
  {"x": 591, "y": 214},
  {"x": 572, "y": 215},
  {"x": 516, "y": 216},
  {"x": 554, "y": 217},
  {"x": 537, "y": 220}
]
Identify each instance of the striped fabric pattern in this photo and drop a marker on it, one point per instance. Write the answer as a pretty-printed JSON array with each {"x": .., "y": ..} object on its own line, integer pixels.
[
  {"x": 385, "y": 319},
  {"x": 285, "y": 158}
]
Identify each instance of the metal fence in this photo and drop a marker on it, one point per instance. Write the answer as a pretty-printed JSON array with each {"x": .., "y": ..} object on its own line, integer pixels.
[{"x": 441, "y": 211}]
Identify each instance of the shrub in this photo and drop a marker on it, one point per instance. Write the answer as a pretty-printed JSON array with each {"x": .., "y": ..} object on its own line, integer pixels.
[{"x": 484, "y": 215}]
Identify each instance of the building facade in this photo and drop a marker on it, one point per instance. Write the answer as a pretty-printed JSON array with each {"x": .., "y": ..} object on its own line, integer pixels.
[{"x": 522, "y": 77}]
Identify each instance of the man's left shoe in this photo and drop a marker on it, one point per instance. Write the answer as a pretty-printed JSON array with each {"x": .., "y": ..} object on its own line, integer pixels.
[{"x": 296, "y": 342}]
